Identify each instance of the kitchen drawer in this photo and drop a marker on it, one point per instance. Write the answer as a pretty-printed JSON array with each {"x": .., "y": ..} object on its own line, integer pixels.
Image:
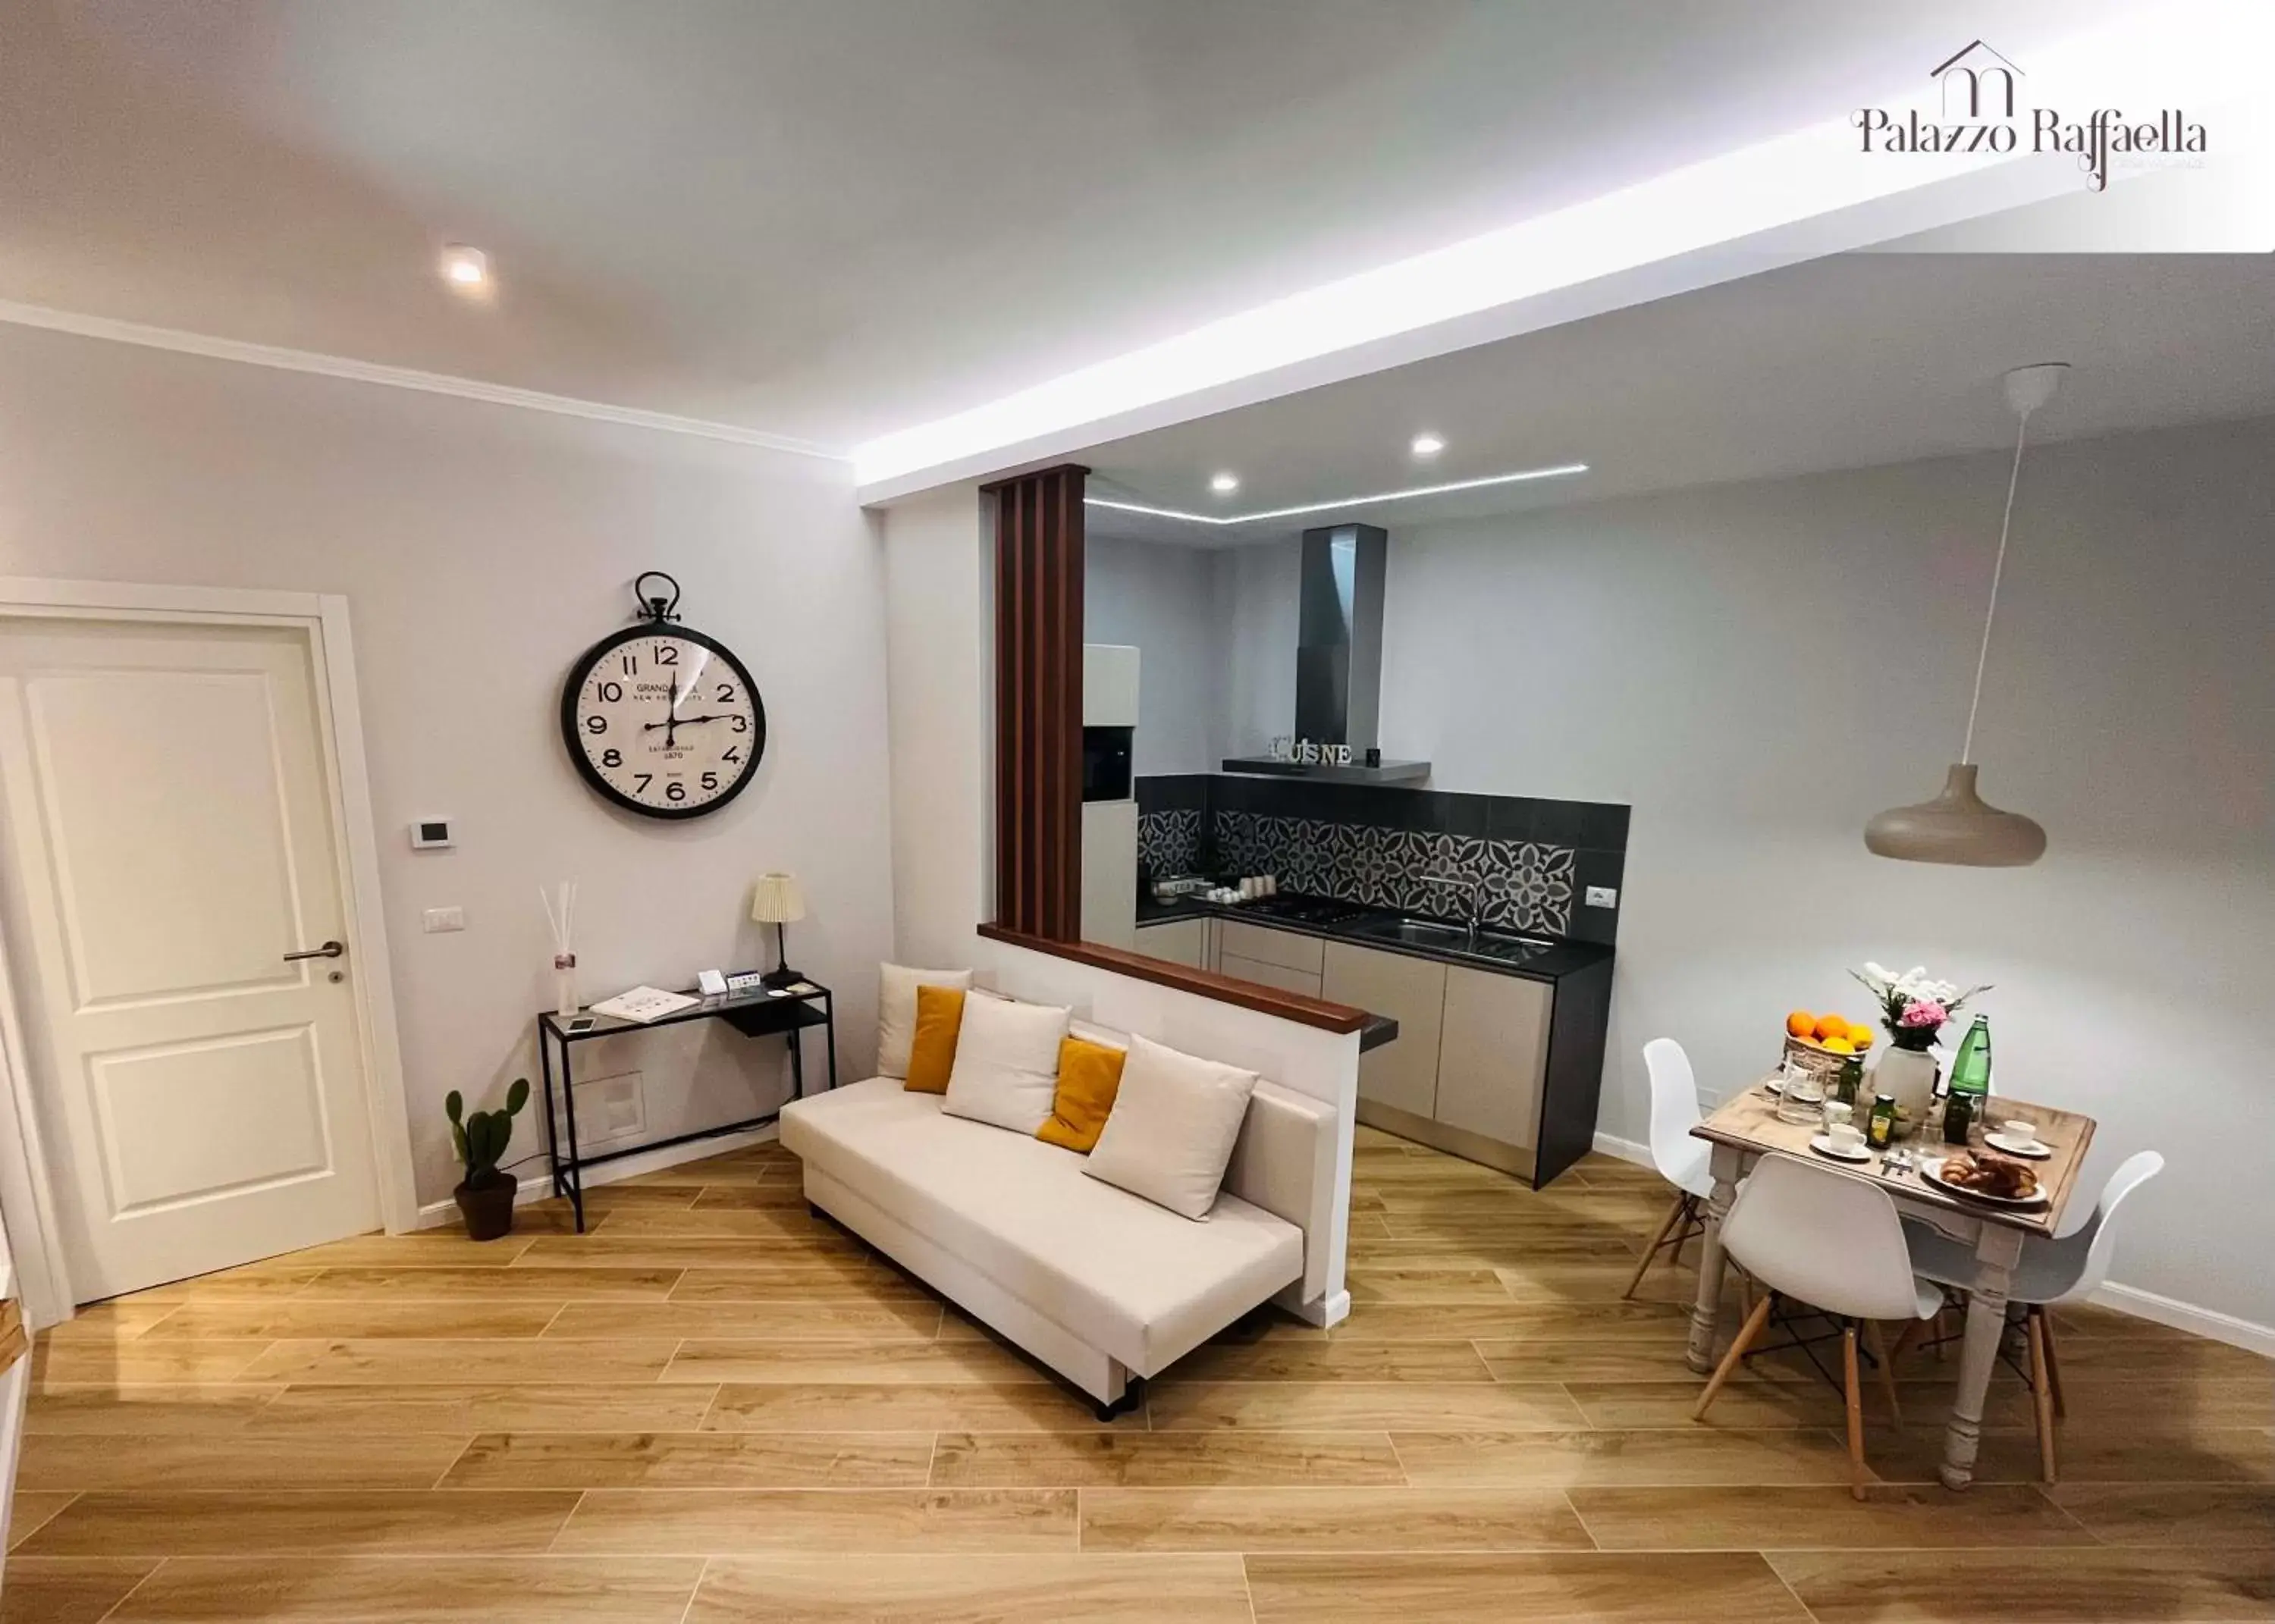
[
  {"x": 1493, "y": 1056},
  {"x": 1306, "y": 982},
  {"x": 1285, "y": 948},
  {"x": 1179, "y": 941}
]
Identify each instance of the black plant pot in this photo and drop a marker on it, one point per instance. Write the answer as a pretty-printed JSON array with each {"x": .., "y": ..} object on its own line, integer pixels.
[{"x": 488, "y": 1206}]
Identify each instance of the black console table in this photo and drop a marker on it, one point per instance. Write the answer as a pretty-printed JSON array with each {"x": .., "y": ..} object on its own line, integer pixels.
[{"x": 759, "y": 1013}]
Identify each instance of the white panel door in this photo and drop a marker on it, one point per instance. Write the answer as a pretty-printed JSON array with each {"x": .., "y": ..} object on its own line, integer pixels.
[{"x": 169, "y": 840}]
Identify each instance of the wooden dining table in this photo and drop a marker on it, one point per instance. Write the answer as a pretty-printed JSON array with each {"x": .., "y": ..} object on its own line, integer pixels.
[{"x": 1747, "y": 1126}]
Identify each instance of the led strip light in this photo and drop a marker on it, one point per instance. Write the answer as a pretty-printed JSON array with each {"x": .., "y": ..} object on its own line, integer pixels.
[{"x": 1556, "y": 472}]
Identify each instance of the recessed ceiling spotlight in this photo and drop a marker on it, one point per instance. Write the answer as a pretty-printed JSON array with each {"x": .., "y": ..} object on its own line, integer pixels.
[
  {"x": 1224, "y": 484},
  {"x": 1427, "y": 445},
  {"x": 466, "y": 270}
]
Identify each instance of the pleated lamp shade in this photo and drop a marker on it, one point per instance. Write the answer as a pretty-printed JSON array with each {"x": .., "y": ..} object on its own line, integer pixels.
[{"x": 776, "y": 899}]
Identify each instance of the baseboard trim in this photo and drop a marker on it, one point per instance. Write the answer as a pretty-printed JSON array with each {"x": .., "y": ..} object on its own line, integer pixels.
[
  {"x": 1625, "y": 1150},
  {"x": 2244, "y": 1333},
  {"x": 539, "y": 1186}
]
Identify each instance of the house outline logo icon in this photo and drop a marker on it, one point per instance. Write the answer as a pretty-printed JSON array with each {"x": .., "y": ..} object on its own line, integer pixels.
[{"x": 1974, "y": 64}]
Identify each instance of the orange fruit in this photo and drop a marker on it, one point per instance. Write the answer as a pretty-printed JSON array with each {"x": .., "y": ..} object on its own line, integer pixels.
[
  {"x": 1831, "y": 1026},
  {"x": 1800, "y": 1023}
]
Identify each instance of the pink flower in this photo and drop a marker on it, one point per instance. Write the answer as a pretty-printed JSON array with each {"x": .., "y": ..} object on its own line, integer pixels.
[{"x": 1923, "y": 1012}]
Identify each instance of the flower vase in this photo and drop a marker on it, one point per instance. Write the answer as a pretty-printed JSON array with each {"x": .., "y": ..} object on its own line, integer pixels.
[{"x": 1908, "y": 1077}]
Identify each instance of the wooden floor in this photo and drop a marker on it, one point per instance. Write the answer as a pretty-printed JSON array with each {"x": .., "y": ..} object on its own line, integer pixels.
[{"x": 715, "y": 1408}]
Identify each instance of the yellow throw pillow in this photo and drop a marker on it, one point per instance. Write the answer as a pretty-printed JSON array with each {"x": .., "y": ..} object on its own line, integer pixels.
[
  {"x": 931, "y": 1051},
  {"x": 1089, "y": 1075}
]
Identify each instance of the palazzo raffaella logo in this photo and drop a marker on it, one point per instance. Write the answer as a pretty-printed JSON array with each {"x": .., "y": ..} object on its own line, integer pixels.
[{"x": 1981, "y": 110}]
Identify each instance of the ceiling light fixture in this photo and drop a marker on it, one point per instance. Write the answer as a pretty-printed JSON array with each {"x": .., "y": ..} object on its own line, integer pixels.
[
  {"x": 1427, "y": 445},
  {"x": 467, "y": 270},
  {"x": 1224, "y": 484},
  {"x": 1557, "y": 472},
  {"x": 1958, "y": 826}
]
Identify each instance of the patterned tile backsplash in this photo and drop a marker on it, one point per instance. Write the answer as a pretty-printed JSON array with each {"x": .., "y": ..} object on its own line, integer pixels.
[
  {"x": 1526, "y": 862},
  {"x": 1170, "y": 840},
  {"x": 1515, "y": 885}
]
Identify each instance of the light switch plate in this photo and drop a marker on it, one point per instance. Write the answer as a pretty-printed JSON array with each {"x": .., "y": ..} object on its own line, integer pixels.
[
  {"x": 1603, "y": 896},
  {"x": 436, "y": 919}
]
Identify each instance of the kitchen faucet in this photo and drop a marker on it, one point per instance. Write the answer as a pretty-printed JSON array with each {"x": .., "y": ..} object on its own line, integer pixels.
[{"x": 1475, "y": 885}]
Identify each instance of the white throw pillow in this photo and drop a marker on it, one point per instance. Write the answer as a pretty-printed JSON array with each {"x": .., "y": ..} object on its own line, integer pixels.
[
  {"x": 1174, "y": 1121},
  {"x": 897, "y": 1011},
  {"x": 1007, "y": 1064}
]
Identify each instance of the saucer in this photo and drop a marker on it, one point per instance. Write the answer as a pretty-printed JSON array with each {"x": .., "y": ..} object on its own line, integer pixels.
[
  {"x": 1822, "y": 1145},
  {"x": 2034, "y": 1151}
]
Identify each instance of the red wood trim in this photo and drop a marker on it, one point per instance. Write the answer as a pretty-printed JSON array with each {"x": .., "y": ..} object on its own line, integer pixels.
[
  {"x": 1038, "y": 595},
  {"x": 1225, "y": 989},
  {"x": 1076, "y": 469}
]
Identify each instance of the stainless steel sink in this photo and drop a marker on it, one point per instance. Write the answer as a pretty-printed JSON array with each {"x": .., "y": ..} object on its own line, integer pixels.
[{"x": 1452, "y": 938}]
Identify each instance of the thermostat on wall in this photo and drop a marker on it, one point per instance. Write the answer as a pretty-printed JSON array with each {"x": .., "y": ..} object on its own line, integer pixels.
[{"x": 430, "y": 834}]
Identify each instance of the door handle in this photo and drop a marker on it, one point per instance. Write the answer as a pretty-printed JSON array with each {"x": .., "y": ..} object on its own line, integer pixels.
[{"x": 330, "y": 950}]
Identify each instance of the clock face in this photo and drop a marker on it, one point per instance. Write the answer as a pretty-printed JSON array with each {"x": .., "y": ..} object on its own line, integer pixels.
[{"x": 663, "y": 720}]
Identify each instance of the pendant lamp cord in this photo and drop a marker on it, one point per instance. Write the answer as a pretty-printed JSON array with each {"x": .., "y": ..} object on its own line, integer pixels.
[{"x": 1998, "y": 569}]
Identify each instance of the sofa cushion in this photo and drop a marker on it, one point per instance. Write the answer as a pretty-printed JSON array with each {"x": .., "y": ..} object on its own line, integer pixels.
[
  {"x": 897, "y": 1011},
  {"x": 1126, "y": 1277},
  {"x": 1006, "y": 1062},
  {"x": 1175, "y": 1118}
]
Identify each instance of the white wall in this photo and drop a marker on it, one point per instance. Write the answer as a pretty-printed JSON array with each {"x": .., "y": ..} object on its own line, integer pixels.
[
  {"x": 1163, "y": 601},
  {"x": 1759, "y": 669},
  {"x": 1260, "y": 618},
  {"x": 481, "y": 549}
]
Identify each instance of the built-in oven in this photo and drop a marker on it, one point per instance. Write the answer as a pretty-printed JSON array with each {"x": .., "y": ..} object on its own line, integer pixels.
[{"x": 1106, "y": 763}]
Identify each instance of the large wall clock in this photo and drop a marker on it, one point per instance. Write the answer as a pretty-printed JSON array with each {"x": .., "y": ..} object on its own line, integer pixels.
[{"x": 662, "y": 721}]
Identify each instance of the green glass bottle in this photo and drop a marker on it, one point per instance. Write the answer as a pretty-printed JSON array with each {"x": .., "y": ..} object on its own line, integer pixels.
[
  {"x": 1970, "y": 1082},
  {"x": 1882, "y": 1127},
  {"x": 1850, "y": 1080}
]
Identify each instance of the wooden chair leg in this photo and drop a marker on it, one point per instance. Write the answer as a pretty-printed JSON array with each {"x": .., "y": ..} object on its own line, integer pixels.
[
  {"x": 1855, "y": 1407},
  {"x": 1878, "y": 1345},
  {"x": 2042, "y": 1400},
  {"x": 2053, "y": 1364},
  {"x": 1747, "y": 1332},
  {"x": 1912, "y": 1331},
  {"x": 1679, "y": 1213}
]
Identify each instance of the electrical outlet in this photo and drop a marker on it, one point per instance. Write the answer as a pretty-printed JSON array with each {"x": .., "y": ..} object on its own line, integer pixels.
[
  {"x": 1603, "y": 896},
  {"x": 436, "y": 919}
]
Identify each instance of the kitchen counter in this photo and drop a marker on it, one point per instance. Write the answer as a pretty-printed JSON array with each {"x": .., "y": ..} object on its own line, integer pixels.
[{"x": 1560, "y": 958}]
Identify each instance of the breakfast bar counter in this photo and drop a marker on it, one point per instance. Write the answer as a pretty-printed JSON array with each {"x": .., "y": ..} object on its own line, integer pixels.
[{"x": 1748, "y": 1126}]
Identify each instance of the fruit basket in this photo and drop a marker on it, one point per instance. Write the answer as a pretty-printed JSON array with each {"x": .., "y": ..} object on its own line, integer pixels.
[{"x": 1810, "y": 1053}]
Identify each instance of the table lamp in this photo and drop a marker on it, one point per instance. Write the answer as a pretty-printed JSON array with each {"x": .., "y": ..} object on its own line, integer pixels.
[{"x": 775, "y": 900}]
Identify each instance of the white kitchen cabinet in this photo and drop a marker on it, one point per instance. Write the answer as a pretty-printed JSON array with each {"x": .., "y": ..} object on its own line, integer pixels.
[
  {"x": 1109, "y": 685},
  {"x": 1288, "y": 950},
  {"x": 1492, "y": 1056},
  {"x": 1109, "y": 873},
  {"x": 1403, "y": 1073},
  {"x": 1231, "y": 964},
  {"x": 1177, "y": 941}
]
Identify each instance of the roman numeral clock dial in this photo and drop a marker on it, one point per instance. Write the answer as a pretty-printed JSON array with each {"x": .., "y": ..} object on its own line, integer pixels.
[{"x": 661, "y": 720}]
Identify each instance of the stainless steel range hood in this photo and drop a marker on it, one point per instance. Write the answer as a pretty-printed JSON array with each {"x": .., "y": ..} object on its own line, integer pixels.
[{"x": 1338, "y": 662}]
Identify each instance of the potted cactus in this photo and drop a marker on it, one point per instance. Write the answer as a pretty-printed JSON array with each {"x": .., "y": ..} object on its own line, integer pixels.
[{"x": 485, "y": 1195}]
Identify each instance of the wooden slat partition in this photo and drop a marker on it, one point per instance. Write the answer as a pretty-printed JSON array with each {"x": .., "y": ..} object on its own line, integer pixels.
[{"x": 1038, "y": 607}]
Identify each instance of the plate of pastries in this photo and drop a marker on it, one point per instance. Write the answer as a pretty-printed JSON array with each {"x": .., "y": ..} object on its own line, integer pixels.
[{"x": 1997, "y": 1179}]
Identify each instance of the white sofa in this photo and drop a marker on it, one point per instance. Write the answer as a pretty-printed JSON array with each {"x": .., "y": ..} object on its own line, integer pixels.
[{"x": 1102, "y": 1286}]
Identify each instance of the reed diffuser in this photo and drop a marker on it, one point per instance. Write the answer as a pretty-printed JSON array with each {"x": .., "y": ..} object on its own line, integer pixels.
[{"x": 560, "y": 917}]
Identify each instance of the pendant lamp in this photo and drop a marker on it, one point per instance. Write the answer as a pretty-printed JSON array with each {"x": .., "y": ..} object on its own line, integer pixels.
[{"x": 1958, "y": 826}]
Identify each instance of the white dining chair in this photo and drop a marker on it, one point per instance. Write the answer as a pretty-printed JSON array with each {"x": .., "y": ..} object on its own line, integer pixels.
[
  {"x": 2067, "y": 1269},
  {"x": 1681, "y": 1159},
  {"x": 1835, "y": 1244}
]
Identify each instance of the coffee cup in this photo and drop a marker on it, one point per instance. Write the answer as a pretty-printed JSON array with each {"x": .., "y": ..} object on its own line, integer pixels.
[
  {"x": 1845, "y": 1137},
  {"x": 2019, "y": 1131}
]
